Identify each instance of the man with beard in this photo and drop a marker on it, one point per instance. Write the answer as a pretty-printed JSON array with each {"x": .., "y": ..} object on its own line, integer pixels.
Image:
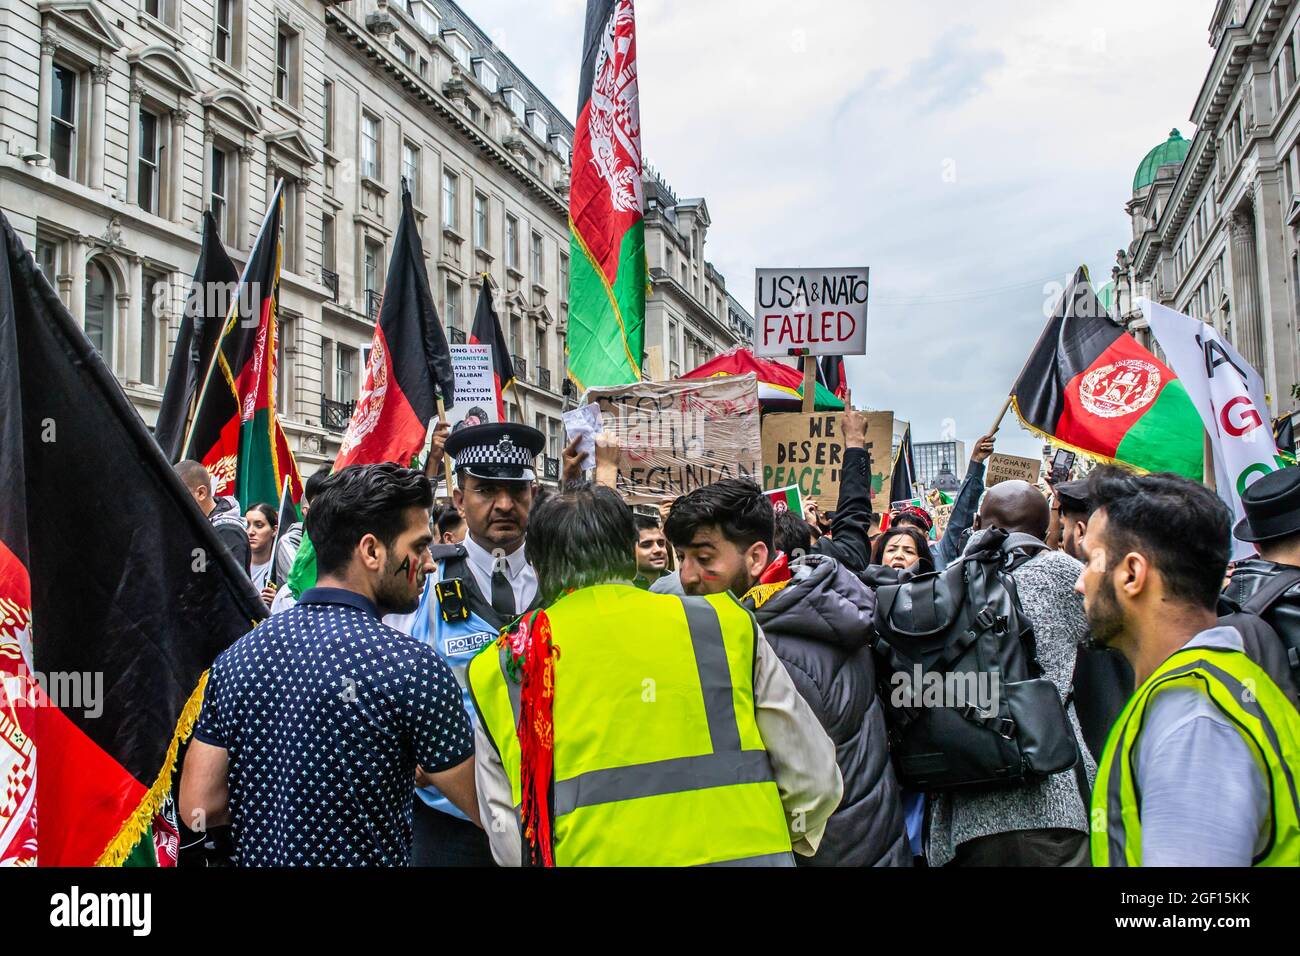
[
  {"x": 815, "y": 615},
  {"x": 315, "y": 723},
  {"x": 481, "y": 585},
  {"x": 651, "y": 551},
  {"x": 1199, "y": 770}
]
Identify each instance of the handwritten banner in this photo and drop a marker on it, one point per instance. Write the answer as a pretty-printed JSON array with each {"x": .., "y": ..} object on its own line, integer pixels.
[
  {"x": 808, "y": 451},
  {"x": 1011, "y": 468},
  {"x": 820, "y": 311}
]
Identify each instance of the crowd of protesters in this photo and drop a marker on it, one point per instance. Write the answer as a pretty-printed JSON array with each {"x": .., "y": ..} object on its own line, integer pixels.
[{"x": 511, "y": 679}]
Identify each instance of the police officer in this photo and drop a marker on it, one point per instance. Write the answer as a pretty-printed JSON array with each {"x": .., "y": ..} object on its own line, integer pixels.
[{"x": 481, "y": 586}]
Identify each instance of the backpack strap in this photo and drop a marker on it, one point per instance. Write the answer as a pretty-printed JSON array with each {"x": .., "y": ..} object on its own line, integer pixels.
[{"x": 1268, "y": 595}]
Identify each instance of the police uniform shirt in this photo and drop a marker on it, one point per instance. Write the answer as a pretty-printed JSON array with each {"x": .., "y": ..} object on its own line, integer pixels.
[{"x": 523, "y": 579}]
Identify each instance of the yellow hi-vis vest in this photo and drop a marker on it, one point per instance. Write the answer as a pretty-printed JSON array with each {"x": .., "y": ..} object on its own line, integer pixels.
[
  {"x": 658, "y": 758},
  {"x": 1259, "y": 710}
]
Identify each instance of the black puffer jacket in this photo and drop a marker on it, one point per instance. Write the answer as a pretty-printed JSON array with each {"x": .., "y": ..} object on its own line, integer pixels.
[{"x": 818, "y": 625}]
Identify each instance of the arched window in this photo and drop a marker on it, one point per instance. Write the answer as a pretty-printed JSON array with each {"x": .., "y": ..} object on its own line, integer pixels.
[{"x": 100, "y": 303}]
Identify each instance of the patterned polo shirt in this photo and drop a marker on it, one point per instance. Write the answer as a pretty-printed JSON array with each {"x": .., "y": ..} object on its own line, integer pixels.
[{"x": 325, "y": 712}]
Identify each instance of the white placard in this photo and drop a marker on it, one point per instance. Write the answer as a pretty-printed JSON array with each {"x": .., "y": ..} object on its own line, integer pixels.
[
  {"x": 821, "y": 311},
  {"x": 476, "y": 396},
  {"x": 584, "y": 421}
]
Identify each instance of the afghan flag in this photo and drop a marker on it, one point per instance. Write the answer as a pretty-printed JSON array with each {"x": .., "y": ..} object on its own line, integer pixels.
[
  {"x": 487, "y": 329},
  {"x": 235, "y": 433},
  {"x": 1284, "y": 436},
  {"x": 214, "y": 285},
  {"x": 1090, "y": 387},
  {"x": 830, "y": 372},
  {"x": 607, "y": 275},
  {"x": 780, "y": 387},
  {"x": 109, "y": 616},
  {"x": 409, "y": 368},
  {"x": 904, "y": 475}
]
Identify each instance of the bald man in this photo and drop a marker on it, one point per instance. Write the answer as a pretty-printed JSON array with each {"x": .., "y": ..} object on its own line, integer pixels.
[{"x": 1042, "y": 824}]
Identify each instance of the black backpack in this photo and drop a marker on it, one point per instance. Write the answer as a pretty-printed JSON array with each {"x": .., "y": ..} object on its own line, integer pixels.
[{"x": 963, "y": 633}]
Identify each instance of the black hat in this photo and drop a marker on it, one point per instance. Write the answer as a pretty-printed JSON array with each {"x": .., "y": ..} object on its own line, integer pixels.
[
  {"x": 1073, "y": 496},
  {"x": 1272, "y": 505},
  {"x": 504, "y": 451}
]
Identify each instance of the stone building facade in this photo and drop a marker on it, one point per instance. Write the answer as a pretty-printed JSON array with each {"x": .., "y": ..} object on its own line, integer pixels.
[{"x": 121, "y": 121}]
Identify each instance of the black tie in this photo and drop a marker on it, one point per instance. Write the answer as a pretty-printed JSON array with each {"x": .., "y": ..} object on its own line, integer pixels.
[{"x": 503, "y": 595}]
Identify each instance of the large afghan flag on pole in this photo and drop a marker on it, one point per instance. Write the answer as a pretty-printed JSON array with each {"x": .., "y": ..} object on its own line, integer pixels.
[
  {"x": 236, "y": 433},
  {"x": 487, "y": 331},
  {"x": 109, "y": 616},
  {"x": 607, "y": 274},
  {"x": 1090, "y": 387}
]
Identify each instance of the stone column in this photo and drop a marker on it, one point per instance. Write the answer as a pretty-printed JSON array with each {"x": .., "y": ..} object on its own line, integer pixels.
[
  {"x": 133, "y": 321},
  {"x": 299, "y": 213},
  {"x": 133, "y": 147},
  {"x": 123, "y": 347},
  {"x": 176, "y": 166},
  {"x": 205, "y": 188},
  {"x": 45, "y": 92},
  {"x": 1247, "y": 322},
  {"x": 77, "y": 267},
  {"x": 98, "y": 104},
  {"x": 242, "y": 200}
]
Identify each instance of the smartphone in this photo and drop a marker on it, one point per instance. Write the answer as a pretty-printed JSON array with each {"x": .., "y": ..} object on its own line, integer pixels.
[{"x": 1062, "y": 464}]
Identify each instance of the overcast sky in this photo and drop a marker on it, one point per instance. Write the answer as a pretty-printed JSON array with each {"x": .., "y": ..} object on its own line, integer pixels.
[{"x": 969, "y": 153}]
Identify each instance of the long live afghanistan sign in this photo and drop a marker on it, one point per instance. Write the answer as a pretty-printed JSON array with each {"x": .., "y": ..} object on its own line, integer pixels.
[{"x": 816, "y": 311}]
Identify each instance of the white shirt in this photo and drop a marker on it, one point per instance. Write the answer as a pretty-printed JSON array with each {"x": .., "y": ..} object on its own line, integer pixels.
[
  {"x": 260, "y": 573},
  {"x": 1204, "y": 797},
  {"x": 523, "y": 579}
]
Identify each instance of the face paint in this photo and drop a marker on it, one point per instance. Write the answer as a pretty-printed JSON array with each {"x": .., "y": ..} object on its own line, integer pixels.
[{"x": 405, "y": 568}]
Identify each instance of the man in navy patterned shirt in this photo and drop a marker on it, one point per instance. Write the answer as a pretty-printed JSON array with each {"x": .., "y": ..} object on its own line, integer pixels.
[{"x": 317, "y": 722}]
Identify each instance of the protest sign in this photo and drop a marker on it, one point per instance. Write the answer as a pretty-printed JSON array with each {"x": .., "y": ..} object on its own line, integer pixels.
[
  {"x": 476, "y": 398},
  {"x": 584, "y": 422},
  {"x": 808, "y": 451},
  {"x": 819, "y": 311},
  {"x": 942, "y": 515},
  {"x": 1011, "y": 468},
  {"x": 674, "y": 437}
]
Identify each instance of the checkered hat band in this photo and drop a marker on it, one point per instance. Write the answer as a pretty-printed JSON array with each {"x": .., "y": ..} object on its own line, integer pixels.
[{"x": 494, "y": 455}]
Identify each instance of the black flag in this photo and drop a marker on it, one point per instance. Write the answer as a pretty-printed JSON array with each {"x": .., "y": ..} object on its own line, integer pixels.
[
  {"x": 487, "y": 331},
  {"x": 215, "y": 279}
]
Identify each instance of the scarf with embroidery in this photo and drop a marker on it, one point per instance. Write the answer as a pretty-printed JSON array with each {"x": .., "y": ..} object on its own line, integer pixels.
[{"x": 531, "y": 664}]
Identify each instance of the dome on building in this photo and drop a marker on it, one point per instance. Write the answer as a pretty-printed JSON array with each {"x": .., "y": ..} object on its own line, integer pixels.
[
  {"x": 945, "y": 480},
  {"x": 1106, "y": 296},
  {"x": 1171, "y": 152}
]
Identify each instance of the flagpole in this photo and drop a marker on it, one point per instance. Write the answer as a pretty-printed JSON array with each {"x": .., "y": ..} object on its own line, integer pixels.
[
  {"x": 279, "y": 532},
  {"x": 809, "y": 384},
  {"x": 446, "y": 462},
  {"x": 1207, "y": 454},
  {"x": 234, "y": 306}
]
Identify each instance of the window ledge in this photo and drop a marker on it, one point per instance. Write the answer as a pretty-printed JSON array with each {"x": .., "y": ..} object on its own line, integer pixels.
[
  {"x": 165, "y": 30},
  {"x": 231, "y": 73},
  {"x": 484, "y": 254},
  {"x": 450, "y": 233},
  {"x": 539, "y": 289},
  {"x": 371, "y": 183},
  {"x": 289, "y": 110},
  {"x": 514, "y": 273}
]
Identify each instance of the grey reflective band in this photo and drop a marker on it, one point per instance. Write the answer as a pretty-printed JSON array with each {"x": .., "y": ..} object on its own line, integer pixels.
[
  {"x": 715, "y": 674},
  {"x": 677, "y": 775},
  {"x": 512, "y": 688},
  {"x": 1116, "y": 835},
  {"x": 785, "y": 858}
]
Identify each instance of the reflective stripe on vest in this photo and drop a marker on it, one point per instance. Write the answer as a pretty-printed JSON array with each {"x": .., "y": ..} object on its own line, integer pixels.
[
  {"x": 652, "y": 685},
  {"x": 1256, "y": 707}
]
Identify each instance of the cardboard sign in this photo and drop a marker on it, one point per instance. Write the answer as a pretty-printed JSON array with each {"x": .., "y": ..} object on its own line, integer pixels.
[
  {"x": 819, "y": 311},
  {"x": 673, "y": 437},
  {"x": 808, "y": 451},
  {"x": 476, "y": 396},
  {"x": 1010, "y": 468},
  {"x": 942, "y": 515}
]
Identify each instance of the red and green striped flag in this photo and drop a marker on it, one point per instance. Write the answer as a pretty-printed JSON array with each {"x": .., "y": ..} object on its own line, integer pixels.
[
  {"x": 1090, "y": 387},
  {"x": 236, "y": 433},
  {"x": 607, "y": 275}
]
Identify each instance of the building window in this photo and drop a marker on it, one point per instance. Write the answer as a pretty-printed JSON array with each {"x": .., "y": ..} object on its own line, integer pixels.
[
  {"x": 217, "y": 202},
  {"x": 345, "y": 373},
  {"x": 150, "y": 162},
  {"x": 424, "y": 16},
  {"x": 283, "y": 394},
  {"x": 512, "y": 243},
  {"x": 373, "y": 255},
  {"x": 153, "y": 296},
  {"x": 327, "y": 114},
  {"x": 515, "y": 102},
  {"x": 224, "y": 44},
  {"x": 287, "y": 69},
  {"x": 63, "y": 121},
  {"x": 564, "y": 277},
  {"x": 292, "y": 241},
  {"x": 450, "y": 200},
  {"x": 537, "y": 124},
  {"x": 370, "y": 145},
  {"x": 535, "y": 257},
  {"x": 405, "y": 54},
  {"x": 459, "y": 46},
  {"x": 539, "y": 353},
  {"x": 164, "y": 11},
  {"x": 411, "y": 170},
  {"x": 327, "y": 258},
  {"x": 47, "y": 259},
  {"x": 452, "y": 305},
  {"x": 100, "y": 302},
  {"x": 486, "y": 74},
  {"x": 480, "y": 221}
]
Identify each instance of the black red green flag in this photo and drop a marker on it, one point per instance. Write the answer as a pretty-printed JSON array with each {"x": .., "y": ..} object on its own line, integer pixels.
[
  {"x": 109, "y": 615},
  {"x": 213, "y": 287},
  {"x": 607, "y": 275},
  {"x": 236, "y": 433},
  {"x": 830, "y": 369},
  {"x": 903, "y": 482},
  {"x": 410, "y": 364},
  {"x": 1091, "y": 387},
  {"x": 487, "y": 330},
  {"x": 1284, "y": 436}
]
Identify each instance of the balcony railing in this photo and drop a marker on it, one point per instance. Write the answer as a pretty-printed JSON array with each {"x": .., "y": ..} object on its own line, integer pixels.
[
  {"x": 331, "y": 281},
  {"x": 374, "y": 299},
  {"x": 334, "y": 416},
  {"x": 544, "y": 378},
  {"x": 551, "y": 468},
  {"x": 456, "y": 335},
  {"x": 521, "y": 368}
]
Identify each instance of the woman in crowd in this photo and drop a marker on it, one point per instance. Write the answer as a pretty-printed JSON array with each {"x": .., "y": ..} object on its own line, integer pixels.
[
  {"x": 262, "y": 520},
  {"x": 903, "y": 548}
]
